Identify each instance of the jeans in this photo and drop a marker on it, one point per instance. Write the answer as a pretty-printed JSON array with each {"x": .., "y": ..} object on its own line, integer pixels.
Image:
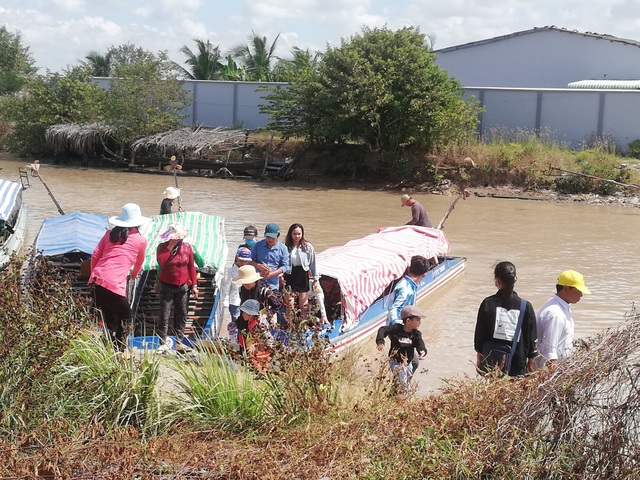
[
  {"x": 176, "y": 298},
  {"x": 402, "y": 372},
  {"x": 234, "y": 311}
]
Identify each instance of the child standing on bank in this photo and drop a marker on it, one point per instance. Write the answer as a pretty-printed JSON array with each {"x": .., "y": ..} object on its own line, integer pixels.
[{"x": 405, "y": 339}]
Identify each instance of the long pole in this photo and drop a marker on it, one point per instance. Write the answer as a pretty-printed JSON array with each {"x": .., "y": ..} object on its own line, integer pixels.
[
  {"x": 174, "y": 164},
  {"x": 35, "y": 169},
  {"x": 626, "y": 185},
  {"x": 463, "y": 194}
]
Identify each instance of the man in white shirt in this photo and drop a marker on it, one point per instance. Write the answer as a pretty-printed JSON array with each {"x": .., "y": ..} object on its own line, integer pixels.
[{"x": 555, "y": 322}]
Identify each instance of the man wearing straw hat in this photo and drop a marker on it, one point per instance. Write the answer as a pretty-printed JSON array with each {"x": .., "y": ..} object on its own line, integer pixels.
[
  {"x": 555, "y": 322},
  {"x": 418, "y": 213},
  {"x": 170, "y": 195}
]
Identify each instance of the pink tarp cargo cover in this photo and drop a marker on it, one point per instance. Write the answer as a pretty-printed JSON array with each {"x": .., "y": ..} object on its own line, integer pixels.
[{"x": 365, "y": 267}]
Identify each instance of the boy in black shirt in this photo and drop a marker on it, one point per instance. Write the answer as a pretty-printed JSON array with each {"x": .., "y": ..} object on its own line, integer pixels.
[{"x": 405, "y": 339}]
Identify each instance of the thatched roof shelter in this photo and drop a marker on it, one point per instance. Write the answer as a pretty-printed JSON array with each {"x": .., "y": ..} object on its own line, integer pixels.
[
  {"x": 81, "y": 139},
  {"x": 192, "y": 143}
]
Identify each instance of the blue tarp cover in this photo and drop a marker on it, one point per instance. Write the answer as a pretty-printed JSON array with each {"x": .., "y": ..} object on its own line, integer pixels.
[{"x": 73, "y": 232}]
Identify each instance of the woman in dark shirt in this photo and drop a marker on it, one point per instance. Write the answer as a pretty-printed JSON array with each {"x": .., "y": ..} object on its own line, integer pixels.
[{"x": 497, "y": 319}]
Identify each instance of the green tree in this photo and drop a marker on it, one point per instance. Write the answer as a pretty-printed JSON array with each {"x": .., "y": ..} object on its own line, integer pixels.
[
  {"x": 301, "y": 61},
  {"x": 98, "y": 65},
  {"x": 49, "y": 101},
  {"x": 16, "y": 63},
  {"x": 231, "y": 71},
  {"x": 204, "y": 64},
  {"x": 105, "y": 65},
  {"x": 144, "y": 98},
  {"x": 257, "y": 57},
  {"x": 381, "y": 88}
]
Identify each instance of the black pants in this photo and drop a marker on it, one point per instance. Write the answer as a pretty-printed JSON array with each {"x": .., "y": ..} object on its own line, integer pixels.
[
  {"x": 176, "y": 298},
  {"x": 116, "y": 313}
]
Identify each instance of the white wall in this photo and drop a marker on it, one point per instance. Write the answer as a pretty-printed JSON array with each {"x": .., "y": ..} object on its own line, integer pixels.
[
  {"x": 540, "y": 59},
  {"x": 573, "y": 117}
]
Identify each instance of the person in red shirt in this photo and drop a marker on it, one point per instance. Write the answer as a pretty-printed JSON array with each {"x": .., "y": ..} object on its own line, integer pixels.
[{"x": 176, "y": 278}]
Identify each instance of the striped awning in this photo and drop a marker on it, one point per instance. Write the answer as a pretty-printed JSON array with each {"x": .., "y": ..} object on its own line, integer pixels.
[
  {"x": 206, "y": 235},
  {"x": 73, "y": 232},
  {"x": 10, "y": 198},
  {"x": 364, "y": 268}
]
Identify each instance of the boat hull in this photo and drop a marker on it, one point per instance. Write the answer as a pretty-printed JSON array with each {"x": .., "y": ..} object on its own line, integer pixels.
[
  {"x": 376, "y": 315},
  {"x": 13, "y": 242}
]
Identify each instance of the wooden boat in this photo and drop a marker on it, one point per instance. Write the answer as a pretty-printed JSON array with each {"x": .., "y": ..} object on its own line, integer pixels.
[
  {"x": 358, "y": 278},
  {"x": 13, "y": 219},
  {"x": 68, "y": 241},
  {"x": 204, "y": 312}
]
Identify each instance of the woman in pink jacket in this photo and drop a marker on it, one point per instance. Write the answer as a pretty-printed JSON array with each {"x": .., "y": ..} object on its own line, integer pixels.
[{"x": 119, "y": 253}]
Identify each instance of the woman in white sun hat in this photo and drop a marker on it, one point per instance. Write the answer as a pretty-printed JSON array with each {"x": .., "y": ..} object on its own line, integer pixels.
[
  {"x": 119, "y": 253},
  {"x": 170, "y": 195}
]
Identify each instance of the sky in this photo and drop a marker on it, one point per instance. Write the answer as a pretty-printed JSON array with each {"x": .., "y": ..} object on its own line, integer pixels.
[{"x": 60, "y": 33}]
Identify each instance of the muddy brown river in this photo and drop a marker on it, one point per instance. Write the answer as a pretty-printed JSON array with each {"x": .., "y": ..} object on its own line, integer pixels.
[{"x": 541, "y": 238}]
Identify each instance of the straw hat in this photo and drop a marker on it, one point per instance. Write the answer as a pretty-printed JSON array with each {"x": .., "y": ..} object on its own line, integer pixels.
[
  {"x": 171, "y": 193},
  {"x": 131, "y": 216},
  {"x": 246, "y": 274}
]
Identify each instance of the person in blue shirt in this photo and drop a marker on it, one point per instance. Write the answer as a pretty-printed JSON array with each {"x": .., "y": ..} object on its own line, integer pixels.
[
  {"x": 404, "y": 293},
  {"x": 270, "y": 257}
]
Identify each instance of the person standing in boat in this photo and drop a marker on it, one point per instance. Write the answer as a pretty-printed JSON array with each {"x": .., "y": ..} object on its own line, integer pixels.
[
  {"x": 419, "y": 214},
  {"x": 555, "y": 321},
  {"x": 231, "y": 291},
  {"x": 249, "y": 237},
  {"x": 170, "y": 196},
  {"x": 302, "y": 266},
  {"x": 270, "y": 257},
  {"x": 405, "y": 291},
  {"x": 119, "y": 253},
  {"x": 496, "y": 326},
  {"x": 177, "y": 277}
]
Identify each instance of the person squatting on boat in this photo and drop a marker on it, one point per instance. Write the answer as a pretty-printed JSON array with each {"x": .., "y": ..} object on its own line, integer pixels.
[
  {"x": 270, "y": 257},
  {"x": 497, "y": 327},
  {"x": 176, "y": 277},
  {"x": 170, "y": 196},
  {"x": 302, "y": 267},
  {"x": 555, "y": 321},
  {"x": 418, "y": 213},
  {"x": 405, "y": 339},
  {"x": 120, "y": 252}
]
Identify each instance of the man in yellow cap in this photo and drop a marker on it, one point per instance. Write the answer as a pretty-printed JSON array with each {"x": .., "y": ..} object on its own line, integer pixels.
[
  {"x": 555, "y": 322},
  {"x": 418, "y": 213}
]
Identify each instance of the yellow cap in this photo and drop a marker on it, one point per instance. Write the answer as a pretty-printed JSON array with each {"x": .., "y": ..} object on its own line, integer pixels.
[{"x": 571, "y": 278}]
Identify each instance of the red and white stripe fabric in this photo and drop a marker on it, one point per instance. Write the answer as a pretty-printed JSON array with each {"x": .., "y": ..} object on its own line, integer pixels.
[{"x": 365, "y": 267}]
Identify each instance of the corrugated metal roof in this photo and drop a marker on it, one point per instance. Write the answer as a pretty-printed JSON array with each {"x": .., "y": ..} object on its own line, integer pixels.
[
  {"x": 606, "y": 84},
  {"x": 599, "y": 36}
]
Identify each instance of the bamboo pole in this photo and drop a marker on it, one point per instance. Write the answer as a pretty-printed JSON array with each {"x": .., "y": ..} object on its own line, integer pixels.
[
  {"x": 626, "y": 185},
  {"x": 35, "y": 171}
]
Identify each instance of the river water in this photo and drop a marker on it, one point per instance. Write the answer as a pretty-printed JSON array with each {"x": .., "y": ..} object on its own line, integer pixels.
[{"x": 540, "y": 238}]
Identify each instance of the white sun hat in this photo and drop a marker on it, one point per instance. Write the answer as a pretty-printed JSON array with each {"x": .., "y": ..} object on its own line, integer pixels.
[
  {"x": 171, "y": 193},
  {"x": 131, "y": 216}
]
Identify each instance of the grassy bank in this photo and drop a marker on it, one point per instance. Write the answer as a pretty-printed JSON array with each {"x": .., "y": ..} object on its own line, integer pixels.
[
  {"x": 72, "y": 408},
  {"x": 523, "y": 160}
]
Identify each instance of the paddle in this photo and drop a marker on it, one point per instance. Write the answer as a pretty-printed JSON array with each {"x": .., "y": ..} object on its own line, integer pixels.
[
  {"x": 463, "y": 194},
  {"x": 35, "y": 171},
  {"x": 173, "y": 165}
]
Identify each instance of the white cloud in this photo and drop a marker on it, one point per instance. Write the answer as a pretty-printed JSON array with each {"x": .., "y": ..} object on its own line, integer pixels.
[
  {"x": 72, "y": 5},
  {"x": 144, "y": 12}
]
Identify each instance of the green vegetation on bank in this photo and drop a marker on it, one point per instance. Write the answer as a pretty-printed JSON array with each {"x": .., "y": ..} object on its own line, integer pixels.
[{"x": 73, "y": 408}]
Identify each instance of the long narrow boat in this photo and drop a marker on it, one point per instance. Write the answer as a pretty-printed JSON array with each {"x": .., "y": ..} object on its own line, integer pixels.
[
  {"x": 358, "y": 278},
  {"x": 204, "y": 312},
  {"x": 13, "y": 219}
]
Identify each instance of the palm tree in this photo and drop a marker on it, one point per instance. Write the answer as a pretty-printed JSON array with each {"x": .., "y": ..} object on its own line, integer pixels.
[
  {"x": 204, "y": 63},
  {"x": 99, "y": 65},
  {"x": 256, "y": 57},
  {"x": 301, "y": 61}
]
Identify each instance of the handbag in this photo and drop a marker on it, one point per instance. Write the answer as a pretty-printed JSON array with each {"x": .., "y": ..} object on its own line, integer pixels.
[{"x": 496, "y": 353}]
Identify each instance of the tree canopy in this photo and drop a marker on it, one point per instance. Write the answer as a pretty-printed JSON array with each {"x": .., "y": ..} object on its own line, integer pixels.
[
  {"x": 381, "y": 88},
  {"x": 16, "y": 63}
]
